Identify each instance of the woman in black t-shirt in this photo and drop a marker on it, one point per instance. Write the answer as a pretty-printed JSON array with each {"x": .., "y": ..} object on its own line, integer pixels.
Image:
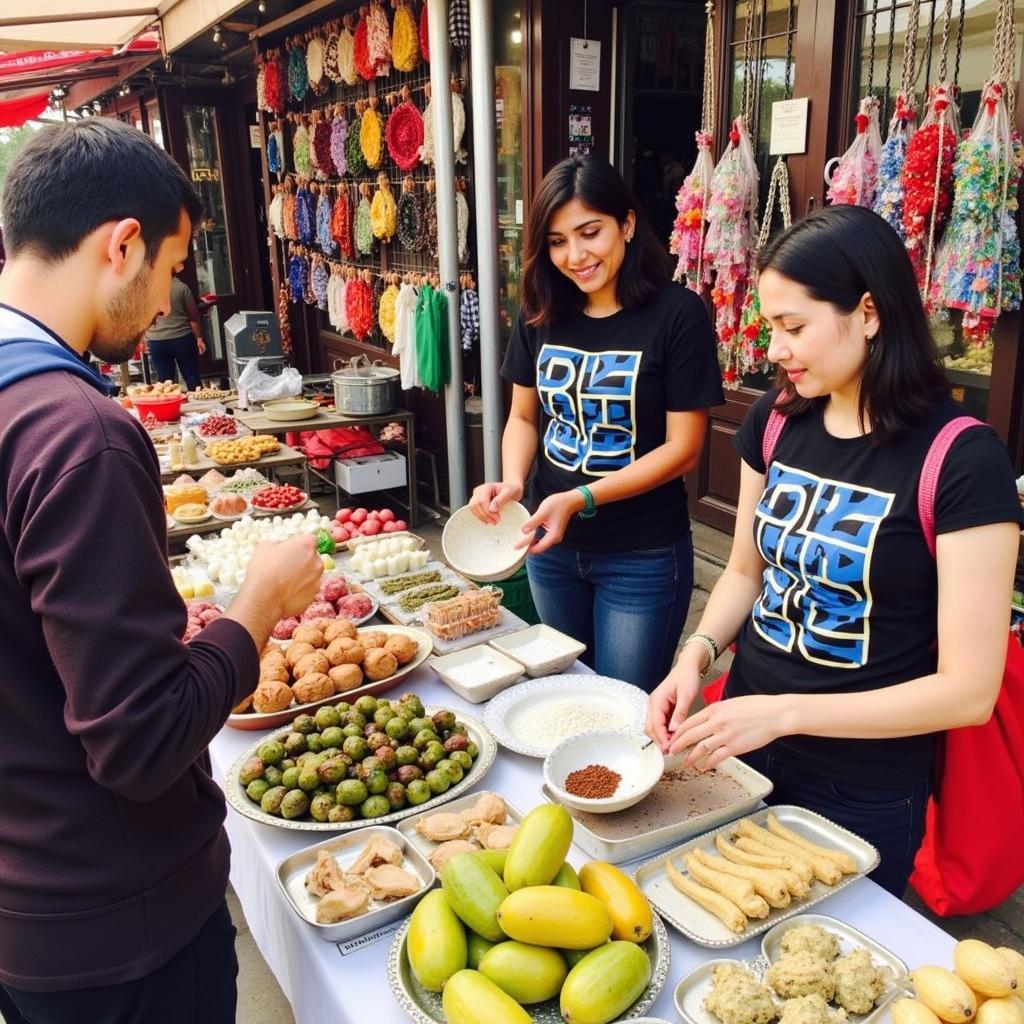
[
  {"x": 617, "y": 365},
  {"x": 838, "y": 689}
]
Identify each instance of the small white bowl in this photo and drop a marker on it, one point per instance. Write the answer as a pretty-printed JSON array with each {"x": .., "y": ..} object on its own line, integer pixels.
[
  {"x": 540, "y": 649},
  {"x": 481, "y": 551},
  {"x": 639, "y": 763},
  {"x": 478, "y": 673}
]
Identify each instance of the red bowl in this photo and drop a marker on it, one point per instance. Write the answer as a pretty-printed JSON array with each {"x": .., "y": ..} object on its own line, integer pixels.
[{"x": 163, "y": 407}]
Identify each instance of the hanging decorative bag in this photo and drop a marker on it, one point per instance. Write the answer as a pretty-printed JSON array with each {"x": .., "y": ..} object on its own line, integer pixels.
[
  {"x": 409, "y": 218},
  {"x": 315, "y": 64},
  {"x": 275, "y": 213},
  {"x": 424, "y": 34},
  {"x": 298, "y": 276},
  {"x": 331, "y": 69},
  {"x": 364, "y": 226},
  {"x": 274, "y": 84},
  {"x": 404, "y": 133},
  {"x": 458, "y": 24},
  {"x": 339, "y": 133},
  {"x": 298, "y": 80},
  {"x": 732, "y": 211},
  {"x": 336, "y": 301},
  {"x": 353, "y": 149},
  {"x": 371, "y": 135},
  {"x": 383, "y": 210},
  {"x": 324, "y": 238},
  {"x": 300, "y": 148},
  {"x": 359, "y": 307},
  {"x": 361, "y": 48},
  {"x": 289, "y": 216},
  {"x": 854, "y": 176},
  {"x": 405, "y": 43},
  {"x": 347, "y": 54},
  {"x": 386, "y": 310},
  {"x": 462, "y": 221},
  {"x": 322, "y": 147},
  {"x": 320, "y": 279},
  {"x": 305, "y": 214},
  {"x": 378, "y": 40},
  {"x": 341, "y": 223},
  {"x": 275, "y": 152}
]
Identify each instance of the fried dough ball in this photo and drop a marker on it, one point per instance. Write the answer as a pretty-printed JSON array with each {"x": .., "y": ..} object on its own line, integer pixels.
[
  {"x": 379, "y": 664},
  {"x": 345, "y": 651},
  {"x": 309, "y": 634},
  {"x": 403, "y": 647},
  {"x": 339, "y": 627},
  {"x": 346, "y": 677},
  {"x": 274, "y": 671},
  {"x": 297, "y": 652},
  {"x": 315, "y": 662},
  {"x": 313, "y": 686},
  {"x": 272, "y": 696},
  {"x": 274, "y": 656},
  {"x": 373, "y": 638}
]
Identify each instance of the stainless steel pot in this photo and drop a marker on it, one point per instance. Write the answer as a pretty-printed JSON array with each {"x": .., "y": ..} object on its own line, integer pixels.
[{"x": 362, "y": 388}]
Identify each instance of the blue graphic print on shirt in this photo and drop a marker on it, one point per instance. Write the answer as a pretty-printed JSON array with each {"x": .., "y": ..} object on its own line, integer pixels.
[
  {"x": 589, "y": 397},
  {"x": 817, "y": 536}
]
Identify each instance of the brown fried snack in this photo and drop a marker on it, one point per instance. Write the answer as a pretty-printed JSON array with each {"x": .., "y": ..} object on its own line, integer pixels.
[
  {"x": 308, "y": 634},
  {"x": 313, "y": 686},
  {"x": 314, "y": 662},
  {"x": 297, "y": 651},
  {"x": 272, "y": 696},
  {"x": 345, "y": 651},
  {"x": 403, "y": 647},
  {"x": 379, "y": 664},
  {"x": 346, "y": 677},
  {"x": 337, "y": 628}
]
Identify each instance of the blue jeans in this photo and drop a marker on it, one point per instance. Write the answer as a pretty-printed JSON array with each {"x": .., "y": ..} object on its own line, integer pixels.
[
  {"x": 890, "y": 818},
  {"x": 183, "y": 351},
  {"x": 628, "y": 607}
]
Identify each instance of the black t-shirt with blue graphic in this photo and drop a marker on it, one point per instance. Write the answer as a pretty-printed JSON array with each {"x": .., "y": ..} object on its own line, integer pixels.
[
  {"x": 605, "y": 386},
  {"x": 850, "y": 594}
]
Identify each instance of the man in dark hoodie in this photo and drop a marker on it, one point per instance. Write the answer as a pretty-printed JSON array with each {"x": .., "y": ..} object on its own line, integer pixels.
[{"x": 113, "y": 856}]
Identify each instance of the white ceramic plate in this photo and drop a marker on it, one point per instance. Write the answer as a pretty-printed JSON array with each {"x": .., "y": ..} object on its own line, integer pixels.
[{"x": 516, "y": 715}]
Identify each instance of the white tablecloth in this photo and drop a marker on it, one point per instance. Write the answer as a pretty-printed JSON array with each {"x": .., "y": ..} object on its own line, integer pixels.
[{"x": 325, "y": 987}]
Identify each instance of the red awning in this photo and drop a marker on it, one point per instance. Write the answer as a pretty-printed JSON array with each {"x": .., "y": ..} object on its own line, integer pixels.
[
  {"x": 31, "y": 61},
  {"x": 14, "y": 113}
]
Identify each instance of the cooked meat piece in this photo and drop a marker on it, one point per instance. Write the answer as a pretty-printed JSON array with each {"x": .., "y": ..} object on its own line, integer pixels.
[
  {"x": 446, "y": 851},
  {"x": 495, "y": 837},
  {"x": 341, "y": 904},
  {"x": 388, "y": 882},
  {"x": 377, "y": 851},
  {"x": 326, "y": 875},
  {"x": 442, "y": 827},
  {"x": 801, "y": 974},
  {"x": 490, "y": 807}
]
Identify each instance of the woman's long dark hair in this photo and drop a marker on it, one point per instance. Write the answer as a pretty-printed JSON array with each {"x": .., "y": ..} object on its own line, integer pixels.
[
  {"x": 549, "y": 295},
  {"x": 837, "y": 254}
]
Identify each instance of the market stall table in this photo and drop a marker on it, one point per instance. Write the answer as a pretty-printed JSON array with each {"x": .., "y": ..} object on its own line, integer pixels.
[
  {"x": 284, "y": 456},
  {"x": 182, "y": 531},
  {"x": 258, "y": 423},
  {"x": 328, "y": 984}
]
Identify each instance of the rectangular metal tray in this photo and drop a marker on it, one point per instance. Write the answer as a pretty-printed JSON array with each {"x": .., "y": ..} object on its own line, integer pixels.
[
  {"x": 291, "y": 876},
  {"x": 648, "y": 841},
  {"x": 425, "y": 847},
  {"x": 690, "y": 992},
  {"x": 701, "y": 926}
]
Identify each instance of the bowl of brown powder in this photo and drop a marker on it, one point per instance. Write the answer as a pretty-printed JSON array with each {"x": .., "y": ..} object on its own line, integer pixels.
[{"x": 603, "y": 772}]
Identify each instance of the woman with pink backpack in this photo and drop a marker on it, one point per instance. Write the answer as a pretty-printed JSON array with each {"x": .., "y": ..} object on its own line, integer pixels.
[{"x": 867, "y": 592}]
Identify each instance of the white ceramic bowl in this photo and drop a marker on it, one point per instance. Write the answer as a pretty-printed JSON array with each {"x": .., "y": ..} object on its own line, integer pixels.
[
  {"x": 477, "y": 673},
  {"x": 640, "y": 765},
  {"x": 481, "y": 551},
  {"x": 541, "y": 650}
]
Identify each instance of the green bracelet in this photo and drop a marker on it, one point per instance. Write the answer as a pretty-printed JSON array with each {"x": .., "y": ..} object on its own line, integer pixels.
[{"x": 589, "y": 509}]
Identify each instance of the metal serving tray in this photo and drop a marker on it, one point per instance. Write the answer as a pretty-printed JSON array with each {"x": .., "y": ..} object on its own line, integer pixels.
[
  {"x": 292, "y": 871},
  {"x": 646, "y": 840},
  {"x": 427, "y": 846},
  {"x": 690, "y": 992},
  {"x": 701, "y": 926}
]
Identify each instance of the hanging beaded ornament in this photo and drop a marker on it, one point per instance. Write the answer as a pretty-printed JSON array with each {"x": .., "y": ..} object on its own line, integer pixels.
[
  {"x": 405, "y": 42},
  {"x": 298, "y": 79},
  {"x": 386, "y": 311},
  {"x": 324, "y": 238},
  {"x": 300, "y": 150},
  {"x": 347, "y": 56},
  {"x": 889, "y": 193},
  {"x": 404, "y": 134},
  {"x": 298, "y": 272},
  {"x": 371, "y": 136},
  {"x": 336, "y": 302},
  {"x": 305, "y": 214},
  {"x": 322, "y": 148},
  {"x": 364, "y": 226},
  {"x": 275, "y": 152},
  {"x": 687, "y": 241},
  {"x": 283, "y": 320},
  {"x": 275, "y": 213},
  {"x": 339, "y": 133},
  {"x": 854, "y": 177},
  {"x": 378, "y": 40},
  {"x": 315, "y": 64},
  {"x": 354, "y": 152},
  {"x": 273, "y": 85},
  {"x": 361, "y": 50},
  {"x": 359, "y": 307},
  {"x": 383, "y": 211},
  {"x": 341, "y": 226},
  {"x": 291, "y": 228},
  {"x": 410, "y": 228},
  {"x": 320, "y": 280},
  {"x": 331, "y": 68}
]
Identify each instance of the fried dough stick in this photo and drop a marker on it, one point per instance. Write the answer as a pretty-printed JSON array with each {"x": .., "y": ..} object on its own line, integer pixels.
[
  {"x": 738, "y": 890},
  {"x": 842, "y": 860},
  {"x": 795, "y": 885},
  {"x": 824, "y": 870},
  {"x": 800, "y": 867},
  {"x": 727, "y": 912},
  {"x": 765, "y": 884}
]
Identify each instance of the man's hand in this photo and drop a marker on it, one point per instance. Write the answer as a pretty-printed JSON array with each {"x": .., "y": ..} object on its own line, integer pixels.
[{"x": 201, "y": 346}]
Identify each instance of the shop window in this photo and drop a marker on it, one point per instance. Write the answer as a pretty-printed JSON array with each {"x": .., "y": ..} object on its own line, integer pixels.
[
  {"x": 213, "y": 257},
  {"x": 969, "y": 63},
  {"x": 156, "y": 128}
]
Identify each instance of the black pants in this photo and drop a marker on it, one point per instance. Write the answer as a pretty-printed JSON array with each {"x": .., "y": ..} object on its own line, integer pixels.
[
  {"x": 183, "y": 351},
  {"x": 890, "y": 818},
  {"x": 196, "y": 987}
]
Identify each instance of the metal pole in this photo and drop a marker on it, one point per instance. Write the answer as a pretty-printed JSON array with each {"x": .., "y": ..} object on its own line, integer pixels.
[
  {"x": 447, "y": 243},
  {"x": 485, "y": 167}
]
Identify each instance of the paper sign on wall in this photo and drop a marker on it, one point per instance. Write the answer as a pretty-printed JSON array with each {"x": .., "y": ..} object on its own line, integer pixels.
[
  {"x": 585, "y": 64},
  {"x": 789, "y": 127}
]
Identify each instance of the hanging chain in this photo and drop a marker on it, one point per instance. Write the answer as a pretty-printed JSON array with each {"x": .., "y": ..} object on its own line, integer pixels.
[
  {"x": 707, "y": 117},
  {"x": 762, "y": 28},
  {"x": 778, "y": 194},
  {"x": 888, "y": 62},
  {"x": 947, "y": 24},
  {"x": 747, "y": 100},
  {"x": 1005, "y": 69},
  {"x": 871, "y": 46},
  {"x": 959, "y": 44},
  {"x": 787, "y": 88},
  {"x": 908, "y": 77}
]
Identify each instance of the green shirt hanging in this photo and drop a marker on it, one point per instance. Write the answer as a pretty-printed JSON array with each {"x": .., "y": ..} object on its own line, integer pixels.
[{"x": 432, "y": 357}]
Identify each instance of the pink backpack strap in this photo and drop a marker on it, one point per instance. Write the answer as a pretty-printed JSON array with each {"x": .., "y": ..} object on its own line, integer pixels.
[
  {"x": 928, "y": 486},
  {"x": 772, "y": 432}
]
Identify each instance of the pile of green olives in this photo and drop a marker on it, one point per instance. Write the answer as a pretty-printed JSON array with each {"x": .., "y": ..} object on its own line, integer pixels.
[{"x": 361, "y": 760}]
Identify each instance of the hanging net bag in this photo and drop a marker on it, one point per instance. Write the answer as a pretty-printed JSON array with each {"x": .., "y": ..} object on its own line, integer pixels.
[{"x": 855, "y": 174}]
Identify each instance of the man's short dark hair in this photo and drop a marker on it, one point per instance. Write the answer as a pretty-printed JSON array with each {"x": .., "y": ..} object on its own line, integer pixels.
[{"x": 70, "y": 179}]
